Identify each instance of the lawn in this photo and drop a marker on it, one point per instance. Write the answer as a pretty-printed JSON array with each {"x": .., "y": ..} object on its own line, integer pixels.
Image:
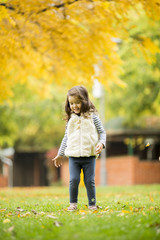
[{"x": 131, "y": 212}]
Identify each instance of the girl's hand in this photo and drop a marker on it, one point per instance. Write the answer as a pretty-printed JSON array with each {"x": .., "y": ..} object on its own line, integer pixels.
[
  {"x": 57, "y": 161},
  {"x": 99, "y": 148}
]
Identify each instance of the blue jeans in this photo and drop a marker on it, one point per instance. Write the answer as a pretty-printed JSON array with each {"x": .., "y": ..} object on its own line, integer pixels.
[{"x": 88, "y": 165}]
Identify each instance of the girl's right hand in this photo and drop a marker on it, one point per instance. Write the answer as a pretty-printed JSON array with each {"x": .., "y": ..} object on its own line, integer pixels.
[{"x": 57, "y": 161}]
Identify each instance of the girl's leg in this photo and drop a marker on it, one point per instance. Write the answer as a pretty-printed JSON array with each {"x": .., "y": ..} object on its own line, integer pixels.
[
  {"x": 89, "y": 165},
  {"x": 74, "y": 170}
]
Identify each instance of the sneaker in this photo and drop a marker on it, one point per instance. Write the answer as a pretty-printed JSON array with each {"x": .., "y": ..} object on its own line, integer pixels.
[
  {"x": 72, "y": 207},
  {"x": 92, "y": 207}
]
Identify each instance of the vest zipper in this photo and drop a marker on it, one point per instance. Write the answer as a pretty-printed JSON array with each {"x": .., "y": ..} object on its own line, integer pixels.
[{"x": 80, "y": 139}]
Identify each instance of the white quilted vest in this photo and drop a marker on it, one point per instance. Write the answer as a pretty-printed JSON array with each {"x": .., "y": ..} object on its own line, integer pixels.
[{"x": 82, "y": 137}]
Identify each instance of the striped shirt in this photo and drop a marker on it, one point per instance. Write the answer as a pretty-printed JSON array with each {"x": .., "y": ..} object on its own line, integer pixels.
[{"x": 100, "y": 130}]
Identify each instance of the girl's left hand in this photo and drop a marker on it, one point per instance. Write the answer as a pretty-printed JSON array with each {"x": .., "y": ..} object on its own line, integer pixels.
[{"x": 99, "y": 148}]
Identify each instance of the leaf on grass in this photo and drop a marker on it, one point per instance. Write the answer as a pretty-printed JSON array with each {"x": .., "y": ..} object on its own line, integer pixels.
[
  {"x": 3, "y": 210},
  {"x": 125, "y": 211},
  {"x": 144, "y": 213},
  {"x": 107, "y": 208},
  {"x": 151, "y": 208},
  {"x": 10, "y": 229},
  {"x": 82, "y": 212},
  {"x": 20, "y": 209},
  {"x": 51, "y": 216},
  {"x": 9, "y": 214},
  {"x": 151, "y": 198},
  {"x": 24, "y": 215},
  {"x": 136, "y": 210},
  {"x": 95, "y": 211},
  {"x": 57, "y": 224},
  {"x": 6, "y": 220},
  {"x": 121, "y": 214},
  {"x": 34, "y": 212},
  {"x": 131, "y": 208},
  {"x": 42, "y": 213},
  {"x": 156, "y": 224},
  {"x": 99, "y": 207}
]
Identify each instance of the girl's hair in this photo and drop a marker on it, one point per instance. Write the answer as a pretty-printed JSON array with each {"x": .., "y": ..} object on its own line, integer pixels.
[{"x": 82, "y": 94}]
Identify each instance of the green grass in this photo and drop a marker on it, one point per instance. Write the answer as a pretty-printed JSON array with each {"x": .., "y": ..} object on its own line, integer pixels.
[{"x": 131, "y": 212}]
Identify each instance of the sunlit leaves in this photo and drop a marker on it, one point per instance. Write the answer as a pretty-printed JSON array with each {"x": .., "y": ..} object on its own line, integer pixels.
[{"x": 46, "y": 42}]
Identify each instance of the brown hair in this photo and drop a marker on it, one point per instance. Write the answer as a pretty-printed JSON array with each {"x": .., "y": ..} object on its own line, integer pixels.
[{"x": 82, "y": 94}]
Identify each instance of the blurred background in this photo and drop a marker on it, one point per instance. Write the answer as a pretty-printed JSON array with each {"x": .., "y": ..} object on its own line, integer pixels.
[{"x": 110, "y": 47}]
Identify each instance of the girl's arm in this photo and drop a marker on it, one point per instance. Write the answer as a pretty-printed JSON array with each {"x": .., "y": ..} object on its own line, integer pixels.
[
  {"x": 100, "y": 130},
  {"x": 63, "y": 144},
  {"x": 58, "y": 159}
]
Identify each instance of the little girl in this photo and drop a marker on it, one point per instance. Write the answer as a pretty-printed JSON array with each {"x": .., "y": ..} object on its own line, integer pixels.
[{"x": 84, "y": 139}]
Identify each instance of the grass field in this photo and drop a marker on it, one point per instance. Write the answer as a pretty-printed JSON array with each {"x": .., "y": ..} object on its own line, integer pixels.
[{"x": 131, "y": 212}]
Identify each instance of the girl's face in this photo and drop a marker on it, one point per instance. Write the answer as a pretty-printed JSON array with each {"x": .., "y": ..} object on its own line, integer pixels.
[{"x": 75, "y": 104}]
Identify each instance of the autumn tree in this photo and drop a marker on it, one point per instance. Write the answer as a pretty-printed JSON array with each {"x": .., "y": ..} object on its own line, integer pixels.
[
  {"x": 140, "y": 98},
  {"x": 48, "y": 45},
  {"x": 51, "y": 41}
]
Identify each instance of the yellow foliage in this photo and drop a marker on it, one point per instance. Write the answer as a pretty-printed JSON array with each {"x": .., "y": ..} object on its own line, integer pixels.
[{"x": 54, "y": 42}]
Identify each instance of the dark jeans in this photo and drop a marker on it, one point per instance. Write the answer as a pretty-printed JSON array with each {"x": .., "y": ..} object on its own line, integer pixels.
[{"x": 88, "y": 165}]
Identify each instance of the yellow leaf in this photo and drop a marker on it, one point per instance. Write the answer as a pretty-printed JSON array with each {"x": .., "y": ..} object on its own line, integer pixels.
[
  {"x": 2, "y": 210},
  {"x": 131, "y": 208},
  {"x": 82, "y": 212},
  {"x": 95, "y": 211},
  {"x": 136, "y": 210},
  {"x": 125, "y": 211},
  {"x": 151, "y": 208},
  {"x": 151, "y": 46},
  {"x": 151, "y": 199},
  {"x": 6, "y": 221}
]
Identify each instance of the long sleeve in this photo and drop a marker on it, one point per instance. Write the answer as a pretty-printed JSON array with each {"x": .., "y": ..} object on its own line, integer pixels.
[
  {"x": 100, "y": 129},
  {"x": 63, "y": 144}
]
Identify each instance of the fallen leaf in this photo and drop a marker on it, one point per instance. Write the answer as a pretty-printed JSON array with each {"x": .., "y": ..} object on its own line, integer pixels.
[
  {"x": 34, "y": 212},
  {"x": 99, "y": 207},
  {"x": 10, "y": 229},
  {"x": 144, "y": 213},
  {"x": 125, "y": 211},
  {"x": 6, "y": 220},
  {"x": 151, "y": 198},
  {"x": 107, "y": 208},
  {"x": 50, "y": 216},
  {"x": 57, "y": 224},
  {"x": 20, "y": 209},
  {"x": 136, "y": 210},
  {"x": 131, "y": 208},
  {"x": 2, "y": 210},
  {"x": 82, "y": 212},
  {"x": 95, "y": 211},
  {"x": 9, "y": 214},
  {"x": 42, "y": 213},
  {"x": 151, "y": 208},
  {"x": 24, "y": 215},
  {"x": 121, "y": 214}
]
